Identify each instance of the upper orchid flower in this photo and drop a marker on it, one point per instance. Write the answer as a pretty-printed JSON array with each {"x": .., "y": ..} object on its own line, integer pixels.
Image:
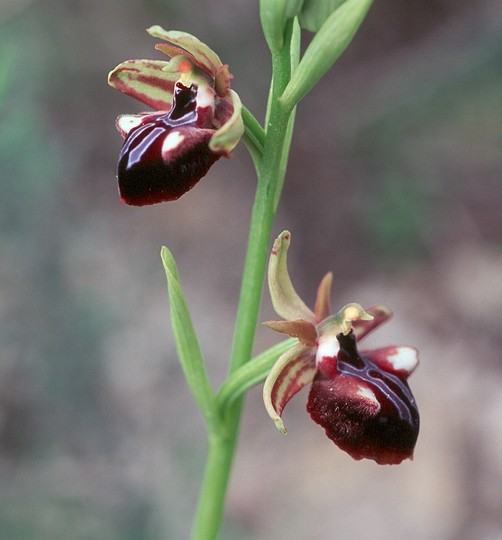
[
  {"x": 361, "y": 399},
  {"x": 198, "y": 119}
]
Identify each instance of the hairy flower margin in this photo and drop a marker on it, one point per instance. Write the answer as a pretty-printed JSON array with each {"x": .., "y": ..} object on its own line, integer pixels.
[
  {"x": 198, "y": 119},
  {"x": 361, "y": 399}
]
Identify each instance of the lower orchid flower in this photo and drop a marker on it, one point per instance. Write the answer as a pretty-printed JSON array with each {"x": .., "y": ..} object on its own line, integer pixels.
[
  {"x": 197, "y": 119},
  {"x": 361, "y": 399}
]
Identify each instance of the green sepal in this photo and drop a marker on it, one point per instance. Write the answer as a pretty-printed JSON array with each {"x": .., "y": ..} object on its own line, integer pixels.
[
  {"x": 182, "y": 43},
  {"x": 187, "y": 343},
  {"x": 314, "y": 13},
  {"x": 226, "y": 138},
  {"x": 326, "y": 46}
]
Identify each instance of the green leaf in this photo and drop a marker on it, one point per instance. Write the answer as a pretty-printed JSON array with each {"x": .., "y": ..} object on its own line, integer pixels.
[
  {"x": 314, "y": 13},
  {"x": 187, "y": 344},
  {"x": 273, "y": 21},
  {"x": 326, "y": 46},
  {"x": 250, "y": 374},
  {"x": 293, "y": 7}
]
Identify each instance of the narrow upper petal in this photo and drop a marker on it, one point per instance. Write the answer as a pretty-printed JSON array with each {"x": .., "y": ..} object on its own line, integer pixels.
[
  {"x": 285, "y": 299},
  {"x": 322, "y": 307},
  {"x": 302, "y": 330},
  {"x": 293, "y": 370},
  {"x": 362, "y": 328}
]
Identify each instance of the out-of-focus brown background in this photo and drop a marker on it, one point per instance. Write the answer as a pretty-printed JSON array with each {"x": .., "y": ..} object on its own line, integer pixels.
[{"x": 395, "y": 184}]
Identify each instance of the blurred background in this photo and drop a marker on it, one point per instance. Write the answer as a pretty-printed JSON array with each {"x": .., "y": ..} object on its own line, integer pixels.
[{"x": 395, "y": 184}]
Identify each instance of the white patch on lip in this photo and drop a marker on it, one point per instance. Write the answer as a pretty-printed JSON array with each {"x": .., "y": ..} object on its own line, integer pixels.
[
  {"x": 205, "y": 97},
  {"x": 127, "y": 122},
  {"x": 371, "y": 405},
  {"x": 367, "y": 393},
  {"x": 172, "y": 141},
  {"x": 404, "y": 359},
  {"x": 328, "y": 348}
]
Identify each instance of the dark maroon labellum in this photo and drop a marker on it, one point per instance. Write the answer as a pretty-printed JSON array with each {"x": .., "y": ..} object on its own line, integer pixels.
[
  {"x": 367, "y": 411},
  {"x": 165, "y": 155}
]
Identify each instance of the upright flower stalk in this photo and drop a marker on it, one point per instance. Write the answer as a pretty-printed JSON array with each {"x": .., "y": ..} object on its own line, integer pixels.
[
  {"x": 270, "y": 176},
  {"x": 198, "y": 118}
]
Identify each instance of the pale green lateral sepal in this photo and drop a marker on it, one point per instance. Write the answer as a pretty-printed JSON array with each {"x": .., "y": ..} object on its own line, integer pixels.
[
  {"x": 187, "y": 343},
  {"x": 326, "y": 46},
  {"x": 285, "y": 299},
  {"x": 294, "y": 370},
  {"x": 226, "y": 138}
]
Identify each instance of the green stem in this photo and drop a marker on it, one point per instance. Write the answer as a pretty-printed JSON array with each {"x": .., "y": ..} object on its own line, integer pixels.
[{"x": 222, "y": 441}]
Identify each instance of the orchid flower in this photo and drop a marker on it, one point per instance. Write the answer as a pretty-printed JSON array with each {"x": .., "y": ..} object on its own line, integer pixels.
[
  {"x": 197, "y": 119},
  {"x": 361, "y": 399}
]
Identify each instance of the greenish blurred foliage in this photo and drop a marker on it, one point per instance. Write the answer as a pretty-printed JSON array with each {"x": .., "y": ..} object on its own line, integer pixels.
[
  {"x": 442, "y": 131},
  {"x": 50, "y": 332},
  {"x": 35, "y": 228}
]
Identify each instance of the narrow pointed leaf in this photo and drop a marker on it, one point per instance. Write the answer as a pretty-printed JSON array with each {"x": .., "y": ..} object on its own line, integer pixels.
[
  {"x": 326, "y": 46},
  {"x": 285, "y": 299},
  {"x": 273, "y": 20},
  {"x": 250, "y": 374},
  {"x": 314, "y": 13},
  {"x": 187, "y": 343},
  {"x": 294, "y": 7},
  {"x": 293, "y": 371}
]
